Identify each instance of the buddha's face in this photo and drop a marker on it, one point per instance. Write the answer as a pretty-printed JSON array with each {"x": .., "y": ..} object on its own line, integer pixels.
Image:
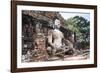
[{"x": 57, "y": 23}]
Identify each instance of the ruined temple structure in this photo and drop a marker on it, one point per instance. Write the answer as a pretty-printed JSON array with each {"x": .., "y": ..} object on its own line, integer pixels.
[{"x": 35, "y": 26}]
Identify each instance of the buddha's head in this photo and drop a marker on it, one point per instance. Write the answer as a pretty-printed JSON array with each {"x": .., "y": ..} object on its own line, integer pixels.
[{"x": 57, "y": 23}]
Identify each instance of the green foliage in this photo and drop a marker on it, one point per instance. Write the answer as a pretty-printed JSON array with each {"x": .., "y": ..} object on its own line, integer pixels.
[{"x": 81, "y": 27}]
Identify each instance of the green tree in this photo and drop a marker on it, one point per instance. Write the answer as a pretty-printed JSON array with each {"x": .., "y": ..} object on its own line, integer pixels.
[{"x": 81, "y": 27}]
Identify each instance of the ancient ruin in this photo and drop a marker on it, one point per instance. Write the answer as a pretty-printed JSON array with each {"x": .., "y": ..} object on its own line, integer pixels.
[{"x": 36, "y": 29}]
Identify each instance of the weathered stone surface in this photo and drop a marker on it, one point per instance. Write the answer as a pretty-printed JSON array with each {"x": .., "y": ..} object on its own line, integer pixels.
[{"x": 43, "y": 15}]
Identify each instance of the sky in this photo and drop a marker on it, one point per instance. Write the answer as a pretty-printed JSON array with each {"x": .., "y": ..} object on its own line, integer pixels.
[{"x": 67, "y": 15}]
